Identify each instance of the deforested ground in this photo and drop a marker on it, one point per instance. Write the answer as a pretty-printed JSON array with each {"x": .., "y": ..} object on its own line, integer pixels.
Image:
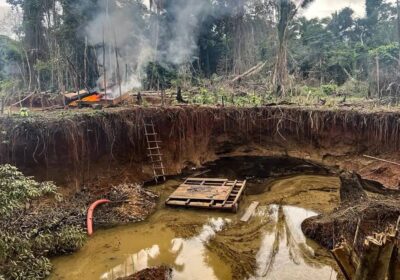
[{"x": 101, "y": 154}]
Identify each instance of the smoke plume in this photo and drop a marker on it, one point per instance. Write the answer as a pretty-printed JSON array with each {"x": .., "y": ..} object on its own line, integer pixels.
[{"x": 139, "y": 36}]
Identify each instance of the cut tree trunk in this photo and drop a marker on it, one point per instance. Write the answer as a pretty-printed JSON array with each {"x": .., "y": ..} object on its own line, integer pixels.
[
  {"x": 351, "y": 188},
  {"x": 346, "y": 259},
  {"x": 394, "y": 267},
  {"x": 376, "y": 259}
]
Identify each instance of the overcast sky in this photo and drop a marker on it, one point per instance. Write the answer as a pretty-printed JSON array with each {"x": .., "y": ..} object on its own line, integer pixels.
[
  {"x": 320, "y": 8},
  {"x": 3, "y": 8},
  {"x": 324, "y": 8}
]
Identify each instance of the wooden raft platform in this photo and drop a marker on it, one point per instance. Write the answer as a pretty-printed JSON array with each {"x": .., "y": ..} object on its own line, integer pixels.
[{"x": 211, "y": 193}]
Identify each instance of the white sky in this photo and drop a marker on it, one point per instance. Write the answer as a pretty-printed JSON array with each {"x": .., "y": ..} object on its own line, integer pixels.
[
  {"x": 324, "y": 8},
  {"x": 3, "y": 3},
  {"x": 3, "y": 8}
]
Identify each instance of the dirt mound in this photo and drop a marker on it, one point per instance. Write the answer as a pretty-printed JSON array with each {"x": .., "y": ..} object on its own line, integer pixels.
[
  {"x": 153, "y": 273},
  {"x": 130, "y": 203},
  {"x": 373, "y": 208}
]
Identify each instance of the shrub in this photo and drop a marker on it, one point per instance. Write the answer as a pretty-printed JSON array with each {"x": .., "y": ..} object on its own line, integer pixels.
[
  {"x": 355, "y": 88},
  {"x": 16, "y": 189},
  {"x": 24, "y": 251},
  {"x": 329, "y": 89}
]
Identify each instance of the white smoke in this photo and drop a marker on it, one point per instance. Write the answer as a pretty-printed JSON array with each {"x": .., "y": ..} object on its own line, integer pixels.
[
  {"x": 188, "y": 20},
  {"x": 122, "y": 33},
  {"x": 132, "y": 33}
]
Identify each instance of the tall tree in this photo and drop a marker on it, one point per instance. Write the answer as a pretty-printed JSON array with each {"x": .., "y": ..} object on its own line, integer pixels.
[{"x": 287, "y": 10}]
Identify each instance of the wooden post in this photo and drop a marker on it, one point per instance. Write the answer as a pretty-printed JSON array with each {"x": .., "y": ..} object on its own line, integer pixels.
[
  {"x": 104, "y": 65},
  {"x": 377, "y": 76},
  {"x": 2, "y": 103},
  {"x": 67, "y": 79},
  {"x": 398, "y": 40},
  {"x": 398, "y": 26},
  {"x": 162, "y": 96},
  {"x": 117, "y": 64},
  {"x": 85, "y": 62}
]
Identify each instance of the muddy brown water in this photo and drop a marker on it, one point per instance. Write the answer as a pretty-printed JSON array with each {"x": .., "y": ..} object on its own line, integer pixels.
[{"x": 199, "y": 244}]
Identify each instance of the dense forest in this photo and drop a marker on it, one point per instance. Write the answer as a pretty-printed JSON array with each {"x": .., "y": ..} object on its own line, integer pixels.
[{"x": 65, "y": 45}]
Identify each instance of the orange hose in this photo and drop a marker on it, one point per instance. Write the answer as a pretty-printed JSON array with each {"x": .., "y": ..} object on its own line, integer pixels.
[{"x": 89, "y": 221}]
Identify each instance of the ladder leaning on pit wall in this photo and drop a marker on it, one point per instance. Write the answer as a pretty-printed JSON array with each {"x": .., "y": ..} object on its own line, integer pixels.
[{"x": 153, "y": 149}]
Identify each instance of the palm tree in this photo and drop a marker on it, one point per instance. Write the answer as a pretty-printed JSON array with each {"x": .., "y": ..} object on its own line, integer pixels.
[{"x": 287, "y": 10}]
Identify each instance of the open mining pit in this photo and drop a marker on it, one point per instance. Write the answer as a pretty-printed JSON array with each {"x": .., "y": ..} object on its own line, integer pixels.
[{"x": 311, "y": 170}]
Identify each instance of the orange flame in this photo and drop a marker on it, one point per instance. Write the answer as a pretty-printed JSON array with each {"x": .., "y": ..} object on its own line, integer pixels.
[{"x": 92, "y": 98}]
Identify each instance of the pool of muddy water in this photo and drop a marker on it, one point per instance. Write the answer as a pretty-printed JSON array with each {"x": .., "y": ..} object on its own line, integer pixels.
[{"x": 199, "y": 244}]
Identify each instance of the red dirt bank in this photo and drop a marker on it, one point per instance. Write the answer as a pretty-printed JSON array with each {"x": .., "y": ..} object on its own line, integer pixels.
[{"x": 108, "y": 146}]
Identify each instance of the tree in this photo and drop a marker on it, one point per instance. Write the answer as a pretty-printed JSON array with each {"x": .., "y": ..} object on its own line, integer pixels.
[
  {"x": 342, "y": 24},
  {"x": 287, "y": 10}
]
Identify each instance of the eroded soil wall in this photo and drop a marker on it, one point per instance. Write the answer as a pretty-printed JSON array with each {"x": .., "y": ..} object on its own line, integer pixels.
[{"x": 78, "y": 146}]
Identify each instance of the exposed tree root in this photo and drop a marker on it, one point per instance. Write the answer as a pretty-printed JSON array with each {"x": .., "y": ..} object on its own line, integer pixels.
[
  {"x": 361, "y": 252},
  {"x": 78, "y": 140}
]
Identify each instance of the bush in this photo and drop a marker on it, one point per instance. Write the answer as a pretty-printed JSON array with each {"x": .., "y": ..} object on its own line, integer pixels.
[
  {"x": 159, "y": 76},
  {"x": 329, "y": 89},
  {"x": 67, "y": 240},
  {"x": 355, "y": 88},
  {"x": 18, "y": 261},
  {"x": 24, "y": 251},
  {"x": 16, "y": 189}
]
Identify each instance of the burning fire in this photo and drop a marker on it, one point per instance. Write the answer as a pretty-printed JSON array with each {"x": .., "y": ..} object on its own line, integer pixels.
[{"x": 92, "y": 98}]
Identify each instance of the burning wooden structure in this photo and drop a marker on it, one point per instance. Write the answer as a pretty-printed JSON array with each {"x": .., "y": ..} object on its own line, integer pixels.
[
  {"x": 210, "y": 193},
  {"x": 84, "y": 98}
]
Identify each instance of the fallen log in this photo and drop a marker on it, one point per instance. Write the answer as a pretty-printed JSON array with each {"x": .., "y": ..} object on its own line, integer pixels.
[
  {"x": 22, "y": 100},
  {"x": 383, "y": 160},
  {"x": 253, "y": 70}
]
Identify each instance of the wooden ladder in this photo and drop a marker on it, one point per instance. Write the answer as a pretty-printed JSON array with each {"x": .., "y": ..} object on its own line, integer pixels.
[{"x": 153, "y": 150}]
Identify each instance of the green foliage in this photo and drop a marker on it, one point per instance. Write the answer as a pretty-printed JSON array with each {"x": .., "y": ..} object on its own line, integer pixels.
[
  {"x": 355, "y": 88},
  {"x": 67, "y": 240},
  {"x": 248, "y": 101},
  {"x": 19, "y": 260},
  {"x": 329, "y": 89},
  {"x": 24, "y": 252},
  {"x": 6, "y": 86},
  {"x": 24, "y": 258},
  {"x": 159, "y": 76},
  {"x": 16, "y": 189},
  {"x": 231, "y": 37},
  {"x": 387, "y": 53}
]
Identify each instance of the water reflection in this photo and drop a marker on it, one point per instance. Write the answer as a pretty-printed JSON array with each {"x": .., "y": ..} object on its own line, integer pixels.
[
  {"x": 208, "y": 245},
  {"x": 284, "y": 252},
  {"x": 188, "y": 256}
]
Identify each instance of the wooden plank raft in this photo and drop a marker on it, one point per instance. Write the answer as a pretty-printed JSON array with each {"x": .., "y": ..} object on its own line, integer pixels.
[{"x": 211, "y": 193}]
